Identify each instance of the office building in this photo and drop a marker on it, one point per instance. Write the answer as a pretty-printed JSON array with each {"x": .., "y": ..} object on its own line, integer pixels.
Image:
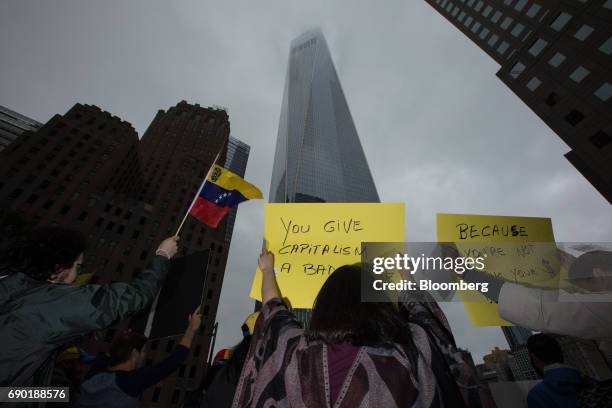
[
  {"x": 498, "y": 361},
  {"x": 520, "y": 365},
  {"x": 13, "y": 124},
  {"x": 318, "y": 156},
  {"x": 236, "y": 160},
  {"x": 556, "y": 57},
  {"x": 516, "y": 336}
]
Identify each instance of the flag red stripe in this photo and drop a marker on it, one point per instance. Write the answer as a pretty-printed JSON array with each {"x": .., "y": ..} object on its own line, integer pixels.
[{"x": 207, "y": 212}]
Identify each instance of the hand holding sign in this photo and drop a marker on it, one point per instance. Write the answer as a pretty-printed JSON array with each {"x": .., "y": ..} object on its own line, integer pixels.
[{"x": 515, "y": 249}]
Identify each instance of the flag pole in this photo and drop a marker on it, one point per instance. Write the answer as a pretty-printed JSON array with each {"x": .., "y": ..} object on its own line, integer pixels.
[{"x": 197, "y": 193}]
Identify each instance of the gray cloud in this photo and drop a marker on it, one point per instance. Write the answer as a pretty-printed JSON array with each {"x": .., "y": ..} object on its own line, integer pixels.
[{"x": 440, "y": 131}]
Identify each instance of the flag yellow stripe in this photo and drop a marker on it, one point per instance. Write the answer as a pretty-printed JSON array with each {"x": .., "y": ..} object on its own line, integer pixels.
[{"x": 231, "y": 181}]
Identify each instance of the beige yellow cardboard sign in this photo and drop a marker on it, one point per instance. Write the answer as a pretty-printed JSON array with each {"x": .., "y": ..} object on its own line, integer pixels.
[
  {"x": 529, "y": 261},
  {"x": 311, "y": 240}
]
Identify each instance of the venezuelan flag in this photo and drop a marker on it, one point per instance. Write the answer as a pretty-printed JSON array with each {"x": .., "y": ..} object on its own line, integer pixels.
[{"x": 222, "y": 191}]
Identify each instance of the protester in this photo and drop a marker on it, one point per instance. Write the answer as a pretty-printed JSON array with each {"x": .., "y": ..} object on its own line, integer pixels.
[
  {"x": 584, "y": 313},
  {"x": 220, "y": 392},
  {"x": 354, "y": 353},
  {"x": 560, "y": 383},
  {"x": 40, "y": 310},
  {"x": 119, "y": 380},
  {"x": 70, "y": 368}
]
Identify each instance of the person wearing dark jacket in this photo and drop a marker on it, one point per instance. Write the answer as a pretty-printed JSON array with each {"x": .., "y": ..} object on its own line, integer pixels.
[
  {"x": 118, "y": 381},
  {"x": 560, "y": 382},
  {"x": 220, "y": 392},
  {"x": 40, "y": 310}
]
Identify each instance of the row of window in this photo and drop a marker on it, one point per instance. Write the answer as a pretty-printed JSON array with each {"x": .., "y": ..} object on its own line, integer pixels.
[
  {"x": 531, "y": 11},
  {"x": 599, "y": 139}
]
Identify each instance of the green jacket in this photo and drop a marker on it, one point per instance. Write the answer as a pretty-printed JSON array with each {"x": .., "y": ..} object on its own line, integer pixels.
[{"x": 38, "y": 317}]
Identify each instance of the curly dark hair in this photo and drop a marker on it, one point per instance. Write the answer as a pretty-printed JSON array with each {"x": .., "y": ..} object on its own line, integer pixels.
[{"x": 42, "y": 252}]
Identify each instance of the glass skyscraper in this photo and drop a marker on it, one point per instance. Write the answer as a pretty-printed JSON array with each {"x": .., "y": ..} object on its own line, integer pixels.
[{"x": 318, "y": 154}]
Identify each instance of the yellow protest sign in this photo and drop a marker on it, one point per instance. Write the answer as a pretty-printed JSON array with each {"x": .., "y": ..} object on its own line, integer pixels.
[
  {"x": 311, "y": 240},
  {"x": 527, "y": 261}
]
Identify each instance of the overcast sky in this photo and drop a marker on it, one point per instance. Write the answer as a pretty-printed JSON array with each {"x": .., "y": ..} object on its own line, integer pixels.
[{"x": 440, "y": 131}]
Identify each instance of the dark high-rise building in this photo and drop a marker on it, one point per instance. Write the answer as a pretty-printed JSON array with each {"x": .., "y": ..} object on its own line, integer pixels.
[
  {"x": 12, "y": 124},
  {"x": 318, "y": 154},
  {"x": 516, "y": 336},
  {"x": 557, "y": 57},
  {"x": 318, "y": 157},
  {"x": 87, "y": 169}
]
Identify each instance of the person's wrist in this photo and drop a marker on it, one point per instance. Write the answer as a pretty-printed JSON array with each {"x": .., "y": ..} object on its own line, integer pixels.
[{"x": 162, "y": 252}]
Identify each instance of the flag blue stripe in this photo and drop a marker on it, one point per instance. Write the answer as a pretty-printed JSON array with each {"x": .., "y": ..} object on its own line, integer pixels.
[{"x": 220, "y": 196}]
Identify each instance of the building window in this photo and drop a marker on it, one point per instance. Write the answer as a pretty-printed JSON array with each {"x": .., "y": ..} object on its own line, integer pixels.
[
  {"x": 608, "y": 4},
  {"x": 574, "y": 117},
  {"x": 604, "y": 92},
  {"x": 533, "y": 10},
  {"x": 476, "y": 27},
  {"x": 502, "y": 47},
  {"x": 537, "y": 47},
  {"x": 192, "y": 372},
  {"x": 520, "y": 5},
  {"x": 155, "y": 396},
  {"x": 496, "y": 16},
  {"x": 562, "y": 19},
  {"x": 461, "y": 16},
  {"x": 506, "y": 23},
  {"x": 487, "y": 11},
  {"x": 32, "y": 199},
  {"x": 583, "y": 33},
  {"x": 579, "y": 74},
  {"x": 82, "y": 216},
  {"x": 135, "y": 234},
  {"x": 455, "y": 11},
  {"x": 479, "y": 6},
  {"x": 468, "y": 21},
  {"x": 517, "y": 30},
  {"x": 533, "y": 84},
  {"x": 175, "y": 396},
  {"x": 600, "y": 139},
  {"x": 64, "y": 210},
  {"x": 517, "y": 69},
  {"x": 552, "y": 99},
  {"x": 557, "y": 59},
  {"x": 47, "y": 204},
  {"x": 493, "y": 40},
  {"x": 606, "y": 47},
  {"x": 181, "y": 372}
]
